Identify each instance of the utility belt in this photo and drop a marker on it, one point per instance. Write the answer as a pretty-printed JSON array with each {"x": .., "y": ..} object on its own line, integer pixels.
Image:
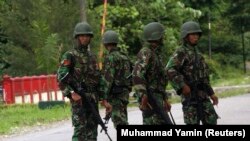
[
  {"x": 200, "y": 85},
  {"x": 89, "y": 88},
  {"x": 195, "y": 98},
  {"x": 162, "y": 92},
  {"x": 119, "y": 89}
]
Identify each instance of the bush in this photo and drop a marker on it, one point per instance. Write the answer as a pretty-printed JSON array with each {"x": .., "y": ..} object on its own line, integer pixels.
[{"x": 50, "y": 104}]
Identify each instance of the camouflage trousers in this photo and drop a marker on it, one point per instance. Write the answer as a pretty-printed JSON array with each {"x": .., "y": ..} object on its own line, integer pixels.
[
  {"x": 150, "y": 118},
  {"x": 207, "y": 113},
  {"x": 85, "y": 128},
  {"x": 119, "y": 114}
]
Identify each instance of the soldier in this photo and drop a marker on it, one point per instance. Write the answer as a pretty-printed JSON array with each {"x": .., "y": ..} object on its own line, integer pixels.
[
  {"x": 189, "y": 76},
  {"x": 81, "y": 66},
  {"x": 116, "y": 82},
  {"x": 149, "y": 76}
]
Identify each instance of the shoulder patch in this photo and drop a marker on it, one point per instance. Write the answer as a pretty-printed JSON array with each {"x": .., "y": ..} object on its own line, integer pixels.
[{"x": 65, "y": 62}]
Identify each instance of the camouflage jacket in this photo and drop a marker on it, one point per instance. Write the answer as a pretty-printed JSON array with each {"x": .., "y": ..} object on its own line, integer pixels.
[
  {"x": 148, "y": 72},
  {"x": 181, "y": 69},
  {"x": 82, "y": 66},
  {"x": 116, "y": 72}
]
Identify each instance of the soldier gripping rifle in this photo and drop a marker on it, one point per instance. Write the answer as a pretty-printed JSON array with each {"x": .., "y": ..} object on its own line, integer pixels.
[
  {"x": 77, "y": 88},
  {"x": 188, "y": 73},
  {"x": 158, "y": 108}
]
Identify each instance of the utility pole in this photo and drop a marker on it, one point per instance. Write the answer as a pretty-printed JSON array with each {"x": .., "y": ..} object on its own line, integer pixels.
[
  {"x": 83, "y": 5},
  {"x": 243, "y": 45},
  {"x": 105, "y": 2}
]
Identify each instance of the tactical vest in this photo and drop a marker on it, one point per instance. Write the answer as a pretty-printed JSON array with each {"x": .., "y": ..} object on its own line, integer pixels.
[
  {"x": 85, "y": 67},
  {"x": 155, "y": 77},
  {"x": 194, "y": 67},
  {"x": 123, "y": 69}
]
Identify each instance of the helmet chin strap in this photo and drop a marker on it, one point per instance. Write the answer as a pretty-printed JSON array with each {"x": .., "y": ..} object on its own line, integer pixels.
[
  {"x": 186, "y": 41},
  {"x": 80, "y": 46}
]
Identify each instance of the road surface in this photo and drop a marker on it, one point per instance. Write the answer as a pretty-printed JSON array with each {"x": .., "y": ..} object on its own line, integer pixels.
[{"x": 232, "y": 111}]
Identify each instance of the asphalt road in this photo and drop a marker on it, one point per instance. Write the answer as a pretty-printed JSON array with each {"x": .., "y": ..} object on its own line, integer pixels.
[{"x": 232, "y": 111}]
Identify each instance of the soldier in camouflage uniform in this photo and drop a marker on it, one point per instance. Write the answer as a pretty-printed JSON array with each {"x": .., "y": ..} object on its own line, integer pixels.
[
  {"x": 149, "y": 76},
  {"x": 189, "y": 76},
  {"x": 80, "y": 66},
  {"x": 116, "y": 82}
]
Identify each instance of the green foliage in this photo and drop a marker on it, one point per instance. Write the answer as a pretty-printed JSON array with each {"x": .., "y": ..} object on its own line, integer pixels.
[
  {"x": 238, "y": 13},
  {"x": 140, "y": 13},
  {"x": 50, "y": 104},
  {"x": 48, "y": 55},
  {"x": 33, "y": 34},
  {"x": 36, "y": 29},
  {"x": 22, "y": 62},
  {"x": 214, "y": 68}
]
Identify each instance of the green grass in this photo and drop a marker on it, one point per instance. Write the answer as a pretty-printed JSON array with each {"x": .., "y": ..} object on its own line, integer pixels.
[
  {"x": 16, "y": 116},
  {"x": 227, "y": 93},
  {"x": 228, "y": 81},
  {"x": 235, "y": 92}
]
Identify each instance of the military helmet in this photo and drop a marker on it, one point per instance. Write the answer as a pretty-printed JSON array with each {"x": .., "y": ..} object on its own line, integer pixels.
[
  {"x": 110, "y": 36},
  {"x": 82, "y": 28},
  {"x": 190, "y": 27},
  {"x": 153, "y": 31}
]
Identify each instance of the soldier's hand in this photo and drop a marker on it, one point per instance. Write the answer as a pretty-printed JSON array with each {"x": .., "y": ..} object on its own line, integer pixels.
[
  {"x": 186, "y": 90},
  {"x": 75, "y": 96},
  {"x": 61, "y": 86},
  {"x": 144, "y": 102},
  {"x": 167, "y": 105},
  {"x": 214, "y": 99},
  {"x": 106, "y": 104}
]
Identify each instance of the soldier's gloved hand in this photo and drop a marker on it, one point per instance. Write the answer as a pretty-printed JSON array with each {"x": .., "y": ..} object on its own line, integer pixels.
[
  {"x": 106, "y": 104},
  {"x": 75, "y": 96},
  {"x": 214, "y": 99},
  {"x": 144, "y": 102},
  {"x": 167, "y": 105},
  {"x": 186, "y": 90}
]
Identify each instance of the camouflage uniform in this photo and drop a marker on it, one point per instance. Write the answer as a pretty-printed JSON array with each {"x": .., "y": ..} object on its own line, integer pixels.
[
  {"x": 81, "y": 65},
  {"x": 188, "y": 66},
  {"x": 116, "y": 84},
  {"x": 148, "y": 73}
]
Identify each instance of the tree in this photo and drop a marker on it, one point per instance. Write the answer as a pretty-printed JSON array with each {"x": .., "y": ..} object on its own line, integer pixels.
[
  {"x": 129, "y": 17},
  {"x": 34, "y": 29},
  {"x": 239, "y": 15}
]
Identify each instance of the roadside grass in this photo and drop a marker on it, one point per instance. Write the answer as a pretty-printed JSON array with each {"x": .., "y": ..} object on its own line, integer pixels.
[
  {"x": 223, "y": 94},
  {"x": 228, "y": 81},
  {"x": 13, "y": 117}
]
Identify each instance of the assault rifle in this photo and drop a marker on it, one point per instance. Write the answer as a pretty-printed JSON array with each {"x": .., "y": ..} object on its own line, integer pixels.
[
  {"x": 107, "y": 118},
  {"x": 77, "y": 88},
  {"x": 158, "y": 108},
  {"x": 197, "y": 99},
  {"x": 194, "y": 90}
]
